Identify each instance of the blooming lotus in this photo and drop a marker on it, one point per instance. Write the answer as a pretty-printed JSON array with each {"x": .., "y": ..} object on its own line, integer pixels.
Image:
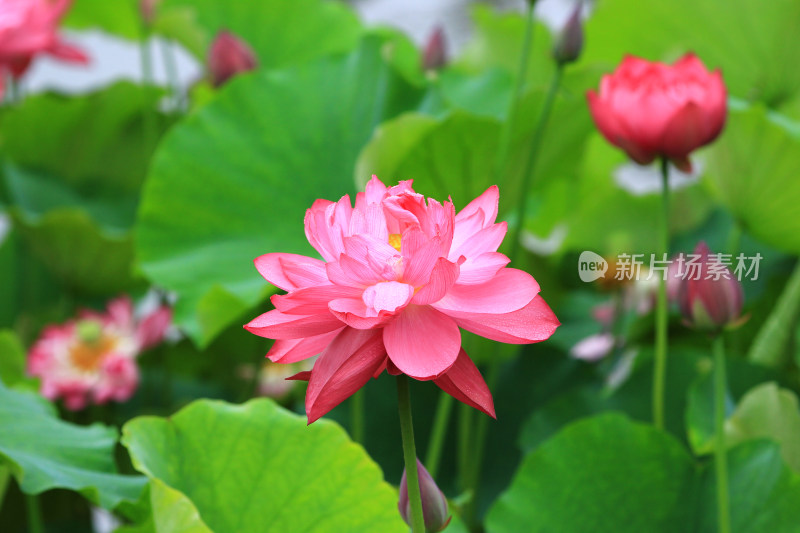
[
  {"x": 29, "y": 28},
  {"x": 93, "y": 359},
  {"x": 399, "y": 277},
  {"x": 652, "y": 110}
]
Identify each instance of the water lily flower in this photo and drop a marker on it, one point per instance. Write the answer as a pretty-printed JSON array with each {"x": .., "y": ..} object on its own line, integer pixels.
[
  {"x": 93, "y": 359},
  {"x": 399, "y": 276},
  {"x": 650, "y": 110},
  {"x": 29, "y": 28},
  {"x": 228, "y": 56},
  {"x": 710, "y": 296},
  {"x": 434, "y": 502}
]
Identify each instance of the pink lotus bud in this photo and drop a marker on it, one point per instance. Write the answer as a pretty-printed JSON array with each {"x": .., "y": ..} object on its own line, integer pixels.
[
  {"x": 650, "y": 110},
  {"x": 434, "y": 503},
  {"x": 570, "y": 43},
  {"x": 229, "y": 56},
  {"x": 435, "y": 55},
  {"x": 710, "y": 296},
  {"x": 147, "y": 9}
]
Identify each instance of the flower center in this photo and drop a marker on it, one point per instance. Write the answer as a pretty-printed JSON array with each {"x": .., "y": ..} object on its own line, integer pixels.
[
  {"x": 394, "y": 241},
  {"x": 92, "y": 346}
]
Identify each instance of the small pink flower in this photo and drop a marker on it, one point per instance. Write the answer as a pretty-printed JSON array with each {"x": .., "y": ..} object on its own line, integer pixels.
[
  {"x": 399, "y": 277},
  {"x": 29, "y": 28},
  {"x": 228, "y": 56},
  {"x": 593, "y": 347},
  {"x": 652, "y": 110},
  {"x": 93, "y": 359}
]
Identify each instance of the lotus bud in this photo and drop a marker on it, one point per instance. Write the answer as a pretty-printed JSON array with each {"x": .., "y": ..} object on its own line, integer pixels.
[
  {"x": 570, "y": 43},
  {"x": 435, "y": 54},
  {"x": 229, "y": 56},
  {"x": 434, "y": 503},
  {"x": 710, "y": 296},
  {"x": 147, "y": 9}
]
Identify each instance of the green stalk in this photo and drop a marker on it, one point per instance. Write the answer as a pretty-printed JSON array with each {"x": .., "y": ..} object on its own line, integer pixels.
[
  {"x": 149, "y": 114},
  {"x": 465, "y": 442},
  {"x": 473, "y": 476},
  {"x": 5, "y": 477},
  {"x": 171, "y": 66},
  {"x": 440, "y": 422},
  {"x": 12, "y": 90},
  {"x": 720, "y": 457},
  {"x": 410, "y": 454},
  {"x": 533, "y": 156},
  {"x": 357, "y": 417},
  {"x": 660, "y": 366},
  {"x": 35, "y": 524},
  {"x": 519, "y": 89}
]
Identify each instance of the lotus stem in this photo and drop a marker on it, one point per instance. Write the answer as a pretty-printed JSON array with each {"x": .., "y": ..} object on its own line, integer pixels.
[
  {"x": 35, "y": 524},
  {"x": 660, "y": 363},
  {"x": 436, "y": 443},
  {"x": 410, "y": 454},
  {"x": 720, "y": 457}
]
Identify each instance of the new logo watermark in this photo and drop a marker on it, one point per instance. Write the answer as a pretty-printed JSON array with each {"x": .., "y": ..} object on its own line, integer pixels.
[
  {"x": 635, "y": 267},
  {"x": 591, "y": 266}
]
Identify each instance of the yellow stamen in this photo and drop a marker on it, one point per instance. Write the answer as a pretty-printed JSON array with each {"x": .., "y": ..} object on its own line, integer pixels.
[
  {"x": 394, "y": 241},
  {"x": 88, "y": 355}
]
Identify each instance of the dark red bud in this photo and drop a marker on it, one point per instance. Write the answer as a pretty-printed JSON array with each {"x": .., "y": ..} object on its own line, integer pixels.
[
  {"x": 229, "y": 56},
  {"x": 570, "y": 43},
  {"x": 435, "y": 54}
]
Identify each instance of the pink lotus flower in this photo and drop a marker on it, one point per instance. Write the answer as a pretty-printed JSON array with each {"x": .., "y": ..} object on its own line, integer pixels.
[
  {"x": 652, "y": 110},
  {"x": 29, "y": 28},
  {"x": 398, "y": 278},
  {"x": 228, "y": 56},
  {"x": 92, "y": 359}
]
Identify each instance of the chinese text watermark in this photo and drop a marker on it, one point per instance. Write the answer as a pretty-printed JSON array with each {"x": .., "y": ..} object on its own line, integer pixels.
[{"x": 635, "y": 267}]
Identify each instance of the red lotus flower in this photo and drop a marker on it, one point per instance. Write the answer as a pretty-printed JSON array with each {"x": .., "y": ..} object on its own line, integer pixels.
[
  {"x": 93, "y": 359},
  {"x": 651, "y": 110},
  {"x": 29, "y": 28},
  {"x": 228, "y": 56},
  {"x": 709, "y": 295},
  {"x": 398, "y": 279}
]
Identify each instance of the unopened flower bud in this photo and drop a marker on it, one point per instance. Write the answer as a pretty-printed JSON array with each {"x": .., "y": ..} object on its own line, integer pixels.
[
  {"x": 434, "y": 503},
  {"x": 229, "y": 56},
  {"x": 435, "y": 54},
  {"x": 710, "y": 296},
  {"x": 570, "y": 43},
  {"x": 147, "y": 9}
]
